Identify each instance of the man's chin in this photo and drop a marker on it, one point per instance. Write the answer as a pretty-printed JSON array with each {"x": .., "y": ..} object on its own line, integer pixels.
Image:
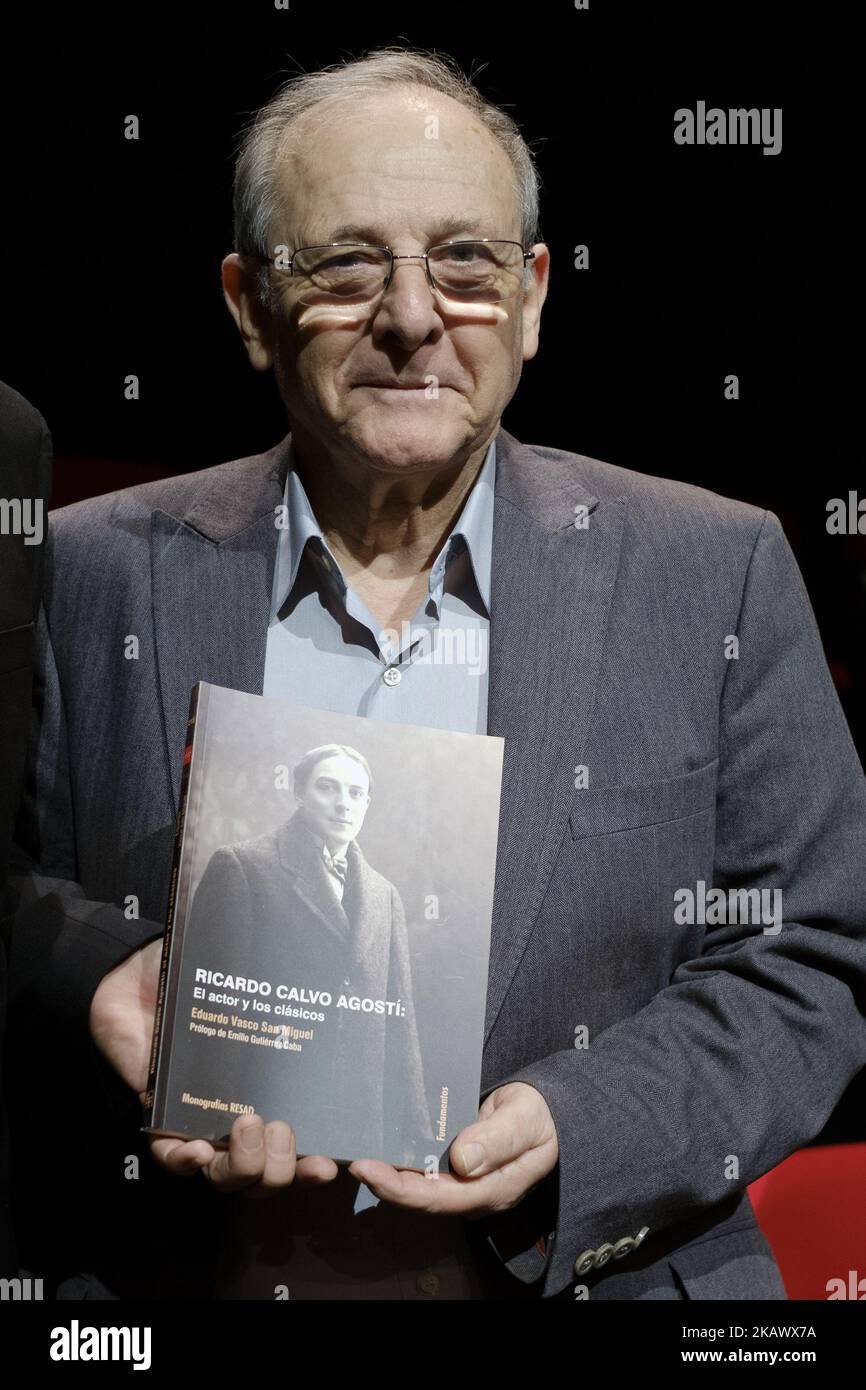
[{"x": 413, "y": 441}]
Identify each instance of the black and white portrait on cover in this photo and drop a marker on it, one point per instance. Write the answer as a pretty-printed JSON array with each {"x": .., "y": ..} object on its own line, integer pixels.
[
  {"x": 307, "y": 906},
  {"x": 338, "y": 918}
]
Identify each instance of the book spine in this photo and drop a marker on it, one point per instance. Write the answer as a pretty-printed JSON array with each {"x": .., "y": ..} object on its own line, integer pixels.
[{"x": 151, "y": 1118}]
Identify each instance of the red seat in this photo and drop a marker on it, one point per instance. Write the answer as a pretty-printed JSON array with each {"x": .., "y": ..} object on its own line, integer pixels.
[{"x": 812, "y": 1209}]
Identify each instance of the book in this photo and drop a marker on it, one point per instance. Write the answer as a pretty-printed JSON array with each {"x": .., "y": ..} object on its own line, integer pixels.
[{"x": 327, "y": 936}]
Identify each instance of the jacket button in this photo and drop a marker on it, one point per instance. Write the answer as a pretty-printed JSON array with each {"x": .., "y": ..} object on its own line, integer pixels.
[
  {"x": 644, "y": 1231},
  {"x": 585, "y": 1262},
  {"x": 428, "y": 1282},
  {"x": 623, "y": 1247},
  {"x": 603, "y": 1254}
]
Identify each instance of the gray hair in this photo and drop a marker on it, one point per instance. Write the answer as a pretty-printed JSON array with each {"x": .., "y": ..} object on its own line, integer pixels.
[{"x": 265, "y": 140}]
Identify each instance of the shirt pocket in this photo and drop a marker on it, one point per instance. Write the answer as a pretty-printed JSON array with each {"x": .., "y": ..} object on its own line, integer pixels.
[{"x": 606, "y": 810}]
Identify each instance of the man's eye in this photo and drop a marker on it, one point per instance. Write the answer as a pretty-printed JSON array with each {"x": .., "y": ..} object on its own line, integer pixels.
[
  {"x": 344, "y": 260},
  {"x": 465, "y": 255}
]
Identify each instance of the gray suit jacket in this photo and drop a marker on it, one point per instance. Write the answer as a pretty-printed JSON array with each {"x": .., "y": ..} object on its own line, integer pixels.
[{"x": 679, "y": 1061}]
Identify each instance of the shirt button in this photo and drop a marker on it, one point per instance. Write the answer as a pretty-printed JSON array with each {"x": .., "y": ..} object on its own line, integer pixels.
[{"x": 391, "y": 676}]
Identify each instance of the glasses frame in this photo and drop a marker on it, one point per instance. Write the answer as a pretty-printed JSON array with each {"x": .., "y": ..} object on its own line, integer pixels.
[{"x": 422, "y": 256}]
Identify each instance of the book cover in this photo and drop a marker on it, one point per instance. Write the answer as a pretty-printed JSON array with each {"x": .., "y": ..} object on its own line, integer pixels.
[{"x": 328, "y": 930}]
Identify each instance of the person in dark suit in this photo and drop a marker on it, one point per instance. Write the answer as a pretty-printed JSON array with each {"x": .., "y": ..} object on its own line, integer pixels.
[
  {"x": 629, "y": 1055},
  {"x": 302, "y": 904},
  {"x": 25, "y": 480}
]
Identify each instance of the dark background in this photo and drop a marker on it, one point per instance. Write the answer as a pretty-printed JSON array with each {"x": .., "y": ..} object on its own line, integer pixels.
[{"x": 704, "y": 261}]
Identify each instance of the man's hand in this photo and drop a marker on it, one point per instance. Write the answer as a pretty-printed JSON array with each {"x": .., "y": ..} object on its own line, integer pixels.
[
  {"x": 122, "y": 1014},
  {"x": 260, "y": 1158},
  {"x": 509, "y": 1149}
]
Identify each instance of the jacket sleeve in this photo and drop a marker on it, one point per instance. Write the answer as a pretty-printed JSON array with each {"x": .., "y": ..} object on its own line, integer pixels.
[
  {"x": 61, "y": 943},
  {"x": 746, "y": 1052}
]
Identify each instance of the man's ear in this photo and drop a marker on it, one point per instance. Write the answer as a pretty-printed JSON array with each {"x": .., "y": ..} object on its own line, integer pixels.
[
  {"x": 250, "y": 315},
  {"x": 534, "y": 296}
]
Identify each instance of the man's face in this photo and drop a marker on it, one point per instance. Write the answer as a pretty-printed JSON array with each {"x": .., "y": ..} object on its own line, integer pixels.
[
  {"x": 375, "y": 175},
  {"x": 335, "y": 799}
]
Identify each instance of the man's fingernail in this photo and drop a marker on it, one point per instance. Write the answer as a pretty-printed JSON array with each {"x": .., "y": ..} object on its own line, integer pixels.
[
  {"x": 251, "y": 1138},
  {"x": 280, "y": 1143},
  {"x": 473, "y": 1156}
]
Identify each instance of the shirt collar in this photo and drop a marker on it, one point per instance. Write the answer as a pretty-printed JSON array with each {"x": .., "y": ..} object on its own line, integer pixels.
[{"x": 299, "y": 525}]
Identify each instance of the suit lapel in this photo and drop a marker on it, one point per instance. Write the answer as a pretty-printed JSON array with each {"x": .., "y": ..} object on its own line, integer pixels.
[
  {"x": 551, "y": 588},
  {"x": 369, "y": 907},
  {"x": 212, "y": 574}
]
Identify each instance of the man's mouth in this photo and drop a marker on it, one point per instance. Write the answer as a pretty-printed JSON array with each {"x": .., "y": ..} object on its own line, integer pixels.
[{"x": 404, "y": 386}]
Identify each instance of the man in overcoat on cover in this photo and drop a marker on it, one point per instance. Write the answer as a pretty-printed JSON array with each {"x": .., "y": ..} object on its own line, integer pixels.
[
  {"x": 655, "y": 670},
  {"x": 303, "y": 903}
]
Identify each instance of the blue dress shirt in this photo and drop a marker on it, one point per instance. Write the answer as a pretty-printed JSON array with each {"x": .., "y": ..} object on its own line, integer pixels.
[{"x": 325, "y": 648}]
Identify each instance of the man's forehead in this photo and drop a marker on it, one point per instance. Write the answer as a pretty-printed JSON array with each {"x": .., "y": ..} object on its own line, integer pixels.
[
  {"x": 361, "y": 175},
  {"x": 376, "y": 229},
  {"x": 398, "y": 115},
  {"x": 339, "y": 766}
]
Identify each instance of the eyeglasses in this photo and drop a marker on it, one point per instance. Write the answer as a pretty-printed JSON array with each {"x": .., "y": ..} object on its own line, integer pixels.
[{"x": 484, "y": 271}]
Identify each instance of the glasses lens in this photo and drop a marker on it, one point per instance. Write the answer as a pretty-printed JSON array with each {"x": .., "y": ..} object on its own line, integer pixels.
[
  {"x": 477, "y": 271},
  {"x": 339, "y": 274}
]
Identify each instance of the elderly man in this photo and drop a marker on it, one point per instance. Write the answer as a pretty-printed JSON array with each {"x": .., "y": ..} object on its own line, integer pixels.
[{"x": 655, "y": 671}]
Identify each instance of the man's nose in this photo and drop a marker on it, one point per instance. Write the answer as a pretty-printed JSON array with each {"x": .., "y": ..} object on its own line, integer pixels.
[{"x": 408, "y": 307}]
